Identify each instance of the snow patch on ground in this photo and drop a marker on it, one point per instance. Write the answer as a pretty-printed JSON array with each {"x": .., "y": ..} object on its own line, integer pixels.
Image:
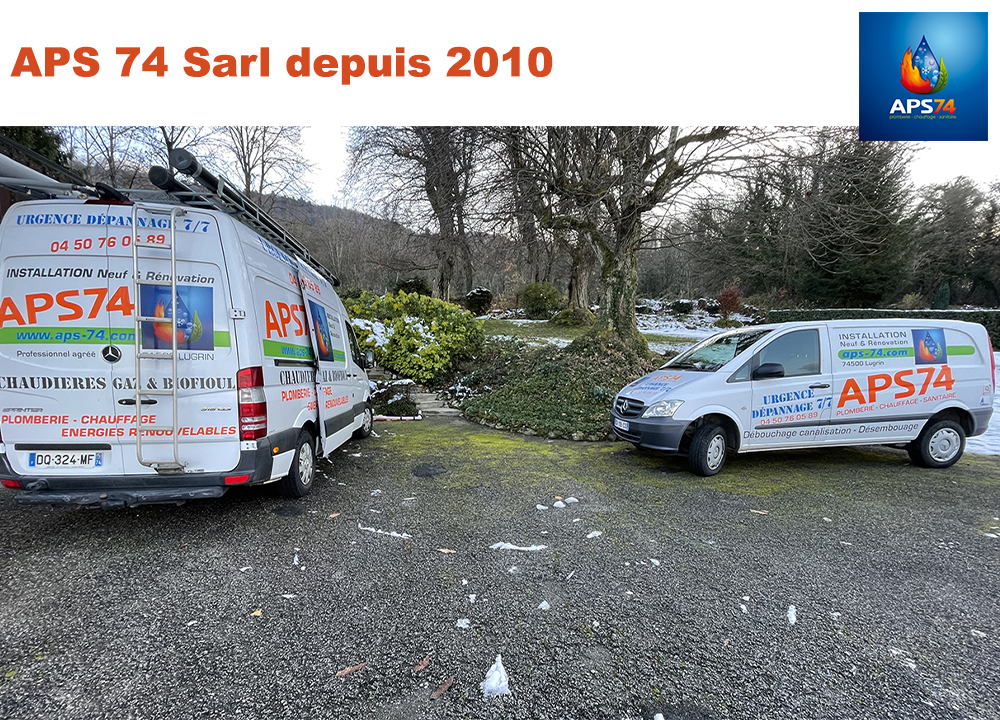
[
  {"x": 390, "y": 533},
  {"x": 510, "y": 546}
]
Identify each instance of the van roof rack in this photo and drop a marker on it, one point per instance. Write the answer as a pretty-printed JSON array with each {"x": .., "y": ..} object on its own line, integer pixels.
[{"x": 217, "y": 194}]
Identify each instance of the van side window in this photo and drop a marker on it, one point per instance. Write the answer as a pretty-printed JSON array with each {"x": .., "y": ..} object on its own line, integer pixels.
[
  {"x": 741, "y": 375},
  {"x": 797, "y": 352},
  {"x": 355, "y": 348}
]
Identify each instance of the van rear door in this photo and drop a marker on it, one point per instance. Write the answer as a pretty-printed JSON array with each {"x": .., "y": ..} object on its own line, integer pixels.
[
  {"x": 57, "y": 408},
  {"x": 206, "y": 424}
]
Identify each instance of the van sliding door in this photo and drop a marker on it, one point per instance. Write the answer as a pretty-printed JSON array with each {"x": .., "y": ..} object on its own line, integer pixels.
[{"x": 334, "y": 391}]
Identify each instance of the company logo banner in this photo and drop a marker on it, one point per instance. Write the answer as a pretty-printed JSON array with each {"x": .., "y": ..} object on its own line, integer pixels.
[{"x": 922, "y": 76}]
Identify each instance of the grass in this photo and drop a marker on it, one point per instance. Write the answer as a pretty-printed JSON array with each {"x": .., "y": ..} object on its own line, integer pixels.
[{"x": 532, "y": 330}]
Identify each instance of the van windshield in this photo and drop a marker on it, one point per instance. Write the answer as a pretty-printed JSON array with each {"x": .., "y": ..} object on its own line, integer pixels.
[{"x": 710, "y": 355}]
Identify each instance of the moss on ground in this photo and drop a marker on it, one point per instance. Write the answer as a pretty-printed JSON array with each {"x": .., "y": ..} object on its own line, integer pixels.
[{"x": 474, "y": 455}]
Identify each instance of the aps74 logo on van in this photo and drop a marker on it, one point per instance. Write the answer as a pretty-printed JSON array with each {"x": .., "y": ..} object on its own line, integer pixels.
[{"x": 908, "y": 386}]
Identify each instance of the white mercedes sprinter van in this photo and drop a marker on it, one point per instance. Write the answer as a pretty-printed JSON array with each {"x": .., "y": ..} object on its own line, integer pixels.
[
  {"x": 161, "y": 352},
  {"x": 922, "y": 384}
]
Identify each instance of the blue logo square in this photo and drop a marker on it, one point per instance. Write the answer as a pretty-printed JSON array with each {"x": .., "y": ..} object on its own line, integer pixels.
[
  {"x": 923, "y": 76},
  {"x": 929, "y": 347}
]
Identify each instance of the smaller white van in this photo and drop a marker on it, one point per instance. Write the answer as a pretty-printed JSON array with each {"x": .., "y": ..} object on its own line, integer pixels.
[{"x": 925, "y": 385}]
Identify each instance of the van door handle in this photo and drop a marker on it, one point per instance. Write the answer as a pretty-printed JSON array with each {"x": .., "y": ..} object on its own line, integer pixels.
[
  {"x": 131, "y": 401},
  {"x": 819, "y": 386}
]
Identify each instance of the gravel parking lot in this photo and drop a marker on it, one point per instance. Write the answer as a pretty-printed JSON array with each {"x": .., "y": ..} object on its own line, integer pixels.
[{"x": 249, "y": 606}]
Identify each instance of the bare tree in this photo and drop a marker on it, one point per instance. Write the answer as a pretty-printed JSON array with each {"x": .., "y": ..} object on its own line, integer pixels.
[
  {"x": 432, "y": 167},
  {"x": 190, "y": 137},
  {"x": 610, "y": 179},
  {"x": 267, "y": 160},
  {"x": 116, "y": 154}
]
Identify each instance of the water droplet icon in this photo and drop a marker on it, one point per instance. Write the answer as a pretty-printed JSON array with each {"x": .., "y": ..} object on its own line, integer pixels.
[{"x": 926, "y": 63}]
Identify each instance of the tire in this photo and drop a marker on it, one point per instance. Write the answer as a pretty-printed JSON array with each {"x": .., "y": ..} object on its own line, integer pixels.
[
  {"x": 913, "y": 450},
  {"x": 940, "y": 445},
  {"x": 366, "y": 423},
  {"x": 299, "y": 480},
  {"x": 707, "y": 452}
]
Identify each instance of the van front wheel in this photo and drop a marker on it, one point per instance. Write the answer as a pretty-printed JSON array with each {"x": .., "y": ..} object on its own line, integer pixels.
[
  {"x": 707, "y": 451},
  {"x": 940, "y": 445},
  {"x": 367, "y": 421},
  {"x": 299, "y": 480}
]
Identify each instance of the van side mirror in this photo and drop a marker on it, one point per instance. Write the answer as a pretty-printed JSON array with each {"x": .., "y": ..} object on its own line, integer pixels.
[
  {"x": 769, "y": 371},
  {"x": 369, "y": 359}
]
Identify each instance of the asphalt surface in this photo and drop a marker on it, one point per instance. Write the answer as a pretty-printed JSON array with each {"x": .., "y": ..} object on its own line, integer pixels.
[{"x": 153, "y": 612}]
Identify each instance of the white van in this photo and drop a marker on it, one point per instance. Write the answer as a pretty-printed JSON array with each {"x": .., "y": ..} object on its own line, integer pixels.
[
  {"x": 161, "y": 352},
  {"x": 922, "y": 384}
]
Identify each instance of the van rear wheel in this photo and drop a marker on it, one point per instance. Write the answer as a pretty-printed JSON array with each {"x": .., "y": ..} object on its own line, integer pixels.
[
  {"x": 707, "y": 452},
  {"x": 940, "y": 445},
  {"x": 299, "y": 480}
]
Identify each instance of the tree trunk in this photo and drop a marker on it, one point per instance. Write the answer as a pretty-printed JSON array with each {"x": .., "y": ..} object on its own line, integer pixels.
[
  {"x": 467, "y": 267},
  {"x": 620, "y": 277},
  {"x": 579, "y": 273}
]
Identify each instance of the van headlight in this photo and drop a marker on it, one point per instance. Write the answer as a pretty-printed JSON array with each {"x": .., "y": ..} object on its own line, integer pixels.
[{"x": 662, "y": 409}]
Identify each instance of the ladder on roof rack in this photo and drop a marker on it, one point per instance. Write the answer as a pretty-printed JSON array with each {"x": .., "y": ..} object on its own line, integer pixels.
[
  {"x": 174, "y": 464},
  {"x": 220, "y": 195}
]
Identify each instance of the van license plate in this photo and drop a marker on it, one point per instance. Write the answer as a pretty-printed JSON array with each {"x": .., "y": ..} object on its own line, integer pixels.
[
  {"x": 621, "y": 424},
  {"x": 71, "y": 460}
]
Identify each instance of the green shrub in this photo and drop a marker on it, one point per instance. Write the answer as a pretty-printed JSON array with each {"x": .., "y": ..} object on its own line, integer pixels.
[
  {"x": 415, "y": 336},
  {"x": 942, "y": 298},
  {"x": 415, "y": 284},
  {"x": 540, "y": 300},
  {"x": 681, "y": 307},
  {"x": 349, "y": 292},
  {"x": 574, "y": 317},
  {"x": 990, "y": 319},
  {"x": 911, "y": 301},
  {"x": 559, "y": 392},
  {"x": 478, "y": 301},
  {"x": 392, "y": 398},
  {"x": 710, "y": 306},
  {"x": 727, "y": 323}
]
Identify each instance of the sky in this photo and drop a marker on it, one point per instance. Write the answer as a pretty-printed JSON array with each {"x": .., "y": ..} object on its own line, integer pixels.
[{"x": 936, "y": 162}]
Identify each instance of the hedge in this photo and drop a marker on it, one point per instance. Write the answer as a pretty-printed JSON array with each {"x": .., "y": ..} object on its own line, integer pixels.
[{"x": 990, "y": 319}]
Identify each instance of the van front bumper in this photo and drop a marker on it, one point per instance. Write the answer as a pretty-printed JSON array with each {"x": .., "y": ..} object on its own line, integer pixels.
[
  {"x": 111, "y": 491},
  {"x": 663, "y": 434}
]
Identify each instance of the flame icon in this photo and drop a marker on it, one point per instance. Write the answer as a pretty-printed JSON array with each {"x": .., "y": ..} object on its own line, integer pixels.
[
  {"x": 921, "y": 72},
  {"x": 928, "y": 350}
]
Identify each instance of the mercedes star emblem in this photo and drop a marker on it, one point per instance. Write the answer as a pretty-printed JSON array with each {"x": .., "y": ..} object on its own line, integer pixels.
[{"x": 111, "y": 354}]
